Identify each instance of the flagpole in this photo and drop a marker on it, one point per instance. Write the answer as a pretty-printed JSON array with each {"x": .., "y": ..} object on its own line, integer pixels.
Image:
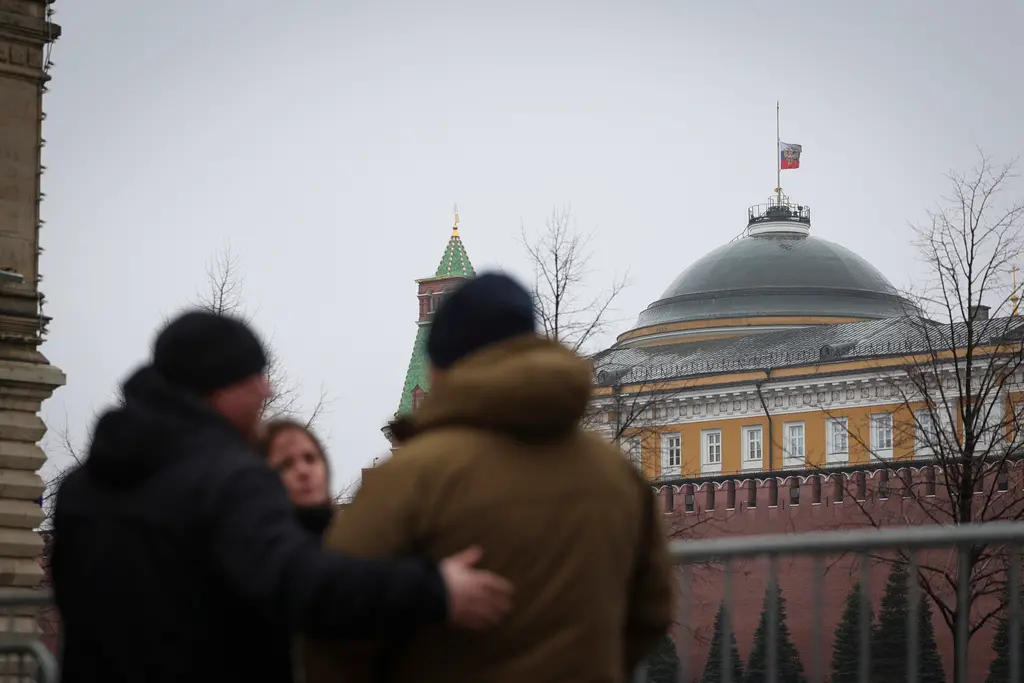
[{"x": 778, "y": 156}]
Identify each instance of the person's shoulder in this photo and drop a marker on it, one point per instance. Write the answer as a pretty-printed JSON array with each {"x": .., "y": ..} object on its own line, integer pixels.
[
  {"x": 70, "y": 487},
  {"x": 600, "y": 447},
  {"x": 435, "y": 455},
  {"x": 221, "y": 453},
  {"x": 441, "y": 447},
  {"x": 609, "y": 459},
  {"x": 215, "y": 463}
]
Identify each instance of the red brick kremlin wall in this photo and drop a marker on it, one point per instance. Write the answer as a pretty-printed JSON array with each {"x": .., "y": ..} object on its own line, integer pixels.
[{"x": 814, "y": 508}]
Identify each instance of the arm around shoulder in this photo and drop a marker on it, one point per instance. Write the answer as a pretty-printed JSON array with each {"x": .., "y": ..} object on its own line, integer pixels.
[{"x": 272, "y": 562}]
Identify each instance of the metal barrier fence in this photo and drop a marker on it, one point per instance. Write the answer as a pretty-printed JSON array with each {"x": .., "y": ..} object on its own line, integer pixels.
[
  {"x": 998, "y": 542},
  {"x": 23, "y": 655}
]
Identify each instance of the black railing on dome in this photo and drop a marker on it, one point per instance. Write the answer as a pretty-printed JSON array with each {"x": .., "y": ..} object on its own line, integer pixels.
[{"x": 775, "y": 212}]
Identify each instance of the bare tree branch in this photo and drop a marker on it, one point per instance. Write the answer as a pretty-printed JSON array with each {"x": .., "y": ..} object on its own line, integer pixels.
[
  {"x": 560, "y": 256},
  {"x": 65, "y": 445},
  {"x": 957, "y": 395},
  {"x": 348, "y": 491},
  {"x": 225, "y": 295}
]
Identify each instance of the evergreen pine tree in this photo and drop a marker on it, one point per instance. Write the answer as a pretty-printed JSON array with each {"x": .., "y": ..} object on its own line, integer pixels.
[
  {"x": 929, "y": 668},
  {"x": 790, "y": 668},
  {"x": 713, "y": 668},
  {"x": 999, "y": 669},
  {"x": 889, "y": 639},
  {"x": 846, "y": 647},
  {"x": 663, "y": 662}
]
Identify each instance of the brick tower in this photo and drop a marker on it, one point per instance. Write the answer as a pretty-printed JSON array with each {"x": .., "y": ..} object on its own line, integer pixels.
[
  {"x": 453, "y": 269},
  {"x": 26, "y": 377}
]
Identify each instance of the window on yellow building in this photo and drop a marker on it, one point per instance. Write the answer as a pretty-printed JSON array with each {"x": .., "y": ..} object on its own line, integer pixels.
[
  {"x": 671, "y": 454},
  {"x": 1015, "y": 422},
  {"x": 711, "y": 450},
  {"x": 881, "y": 436},
  {"x": 793, "y": 445},
  {"x": 753, "y": 447},
  {"x": 837, "y": 445},
  {"x": 632, "y": 449},
  {"x": 925, "y": 434},
  {"x": 997, "y": 421}
]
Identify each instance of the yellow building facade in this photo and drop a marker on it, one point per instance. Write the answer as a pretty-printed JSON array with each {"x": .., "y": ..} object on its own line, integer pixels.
[{"x": 783, "y": 352}]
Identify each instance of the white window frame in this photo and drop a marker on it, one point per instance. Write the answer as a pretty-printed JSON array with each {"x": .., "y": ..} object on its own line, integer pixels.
[
  {"x": 710, "y": 450},
  {"x": 794, "y": 449},
  {"x": 996, "y": 409},
  {"x": 632, "y": 448},
  {"x": 671, "y": 454},
  {"x": 757, "y": 462},
  {"x": 922, "y": 447},
  {"x": 837, "y": 440},
  {"x": 1016, "y": 417},
  {"x": 882, "y": 436}
]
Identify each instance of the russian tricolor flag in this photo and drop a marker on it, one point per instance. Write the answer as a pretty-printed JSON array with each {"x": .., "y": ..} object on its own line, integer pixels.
[{"x": 789, "y": 155}]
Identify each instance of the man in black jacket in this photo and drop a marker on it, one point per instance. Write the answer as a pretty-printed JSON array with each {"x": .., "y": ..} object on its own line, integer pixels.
[{"x": 175, "y": 546}]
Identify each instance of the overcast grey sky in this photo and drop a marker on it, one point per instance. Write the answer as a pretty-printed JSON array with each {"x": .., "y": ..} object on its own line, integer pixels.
[{"x": 328, "y": 140}]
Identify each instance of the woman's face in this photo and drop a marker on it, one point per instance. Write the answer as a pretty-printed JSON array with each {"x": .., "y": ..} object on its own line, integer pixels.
[{"x": 303, "y": 470}]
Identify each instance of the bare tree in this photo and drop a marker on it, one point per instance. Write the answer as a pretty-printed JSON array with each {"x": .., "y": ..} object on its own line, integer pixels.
[
  {"x": 74, "y": 456},
  {"x": 561, "y": 258},
  {"x": 225, "y": 295},
  {"x": 560, "y": 255},
  {"x": 348, "y": 491},
  {"x": 956, "y": 391}
]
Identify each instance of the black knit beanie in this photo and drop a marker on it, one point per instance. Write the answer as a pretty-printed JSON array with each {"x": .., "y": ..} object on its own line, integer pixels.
[
  {"x": 486, "y": 310},
  {"x": 202, "y": 352}
]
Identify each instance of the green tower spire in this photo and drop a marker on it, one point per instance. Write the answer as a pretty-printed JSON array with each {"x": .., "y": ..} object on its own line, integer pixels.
[
  {"x": 454, "y": 267},
  {"x": 455, "y": 261}
]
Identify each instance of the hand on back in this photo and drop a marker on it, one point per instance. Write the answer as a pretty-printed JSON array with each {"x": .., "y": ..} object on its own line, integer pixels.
[{"x": 477, "y": 599}]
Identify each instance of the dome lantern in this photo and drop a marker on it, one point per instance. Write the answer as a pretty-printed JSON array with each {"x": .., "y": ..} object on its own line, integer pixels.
[
  {"x": 779, "y": 216},
  {"x": 775, "y": 275}
]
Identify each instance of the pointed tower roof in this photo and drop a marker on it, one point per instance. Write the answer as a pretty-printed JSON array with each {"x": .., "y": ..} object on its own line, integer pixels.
[
  {"x": 454, "y": 267},
  {"x": 455, "y": 261},
  {"x": 417, "y": 375}
]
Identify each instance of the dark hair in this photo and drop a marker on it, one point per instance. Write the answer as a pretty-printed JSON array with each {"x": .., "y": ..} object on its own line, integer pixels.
[{"x": 274, "y": 428}]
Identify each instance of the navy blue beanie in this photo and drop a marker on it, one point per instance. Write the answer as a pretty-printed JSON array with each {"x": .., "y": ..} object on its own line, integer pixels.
[
  {"x": 486, "y": 310},
  {"x": 202, "y": 352}
]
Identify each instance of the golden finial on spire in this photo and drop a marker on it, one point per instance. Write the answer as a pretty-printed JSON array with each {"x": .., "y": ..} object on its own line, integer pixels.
[
  {"x": 1014, "y": 295},
  {"x": 455, "y": 226}
]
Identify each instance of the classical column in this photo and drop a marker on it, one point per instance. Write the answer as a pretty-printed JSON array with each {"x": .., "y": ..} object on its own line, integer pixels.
[{"x": 26, "y": 377}]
